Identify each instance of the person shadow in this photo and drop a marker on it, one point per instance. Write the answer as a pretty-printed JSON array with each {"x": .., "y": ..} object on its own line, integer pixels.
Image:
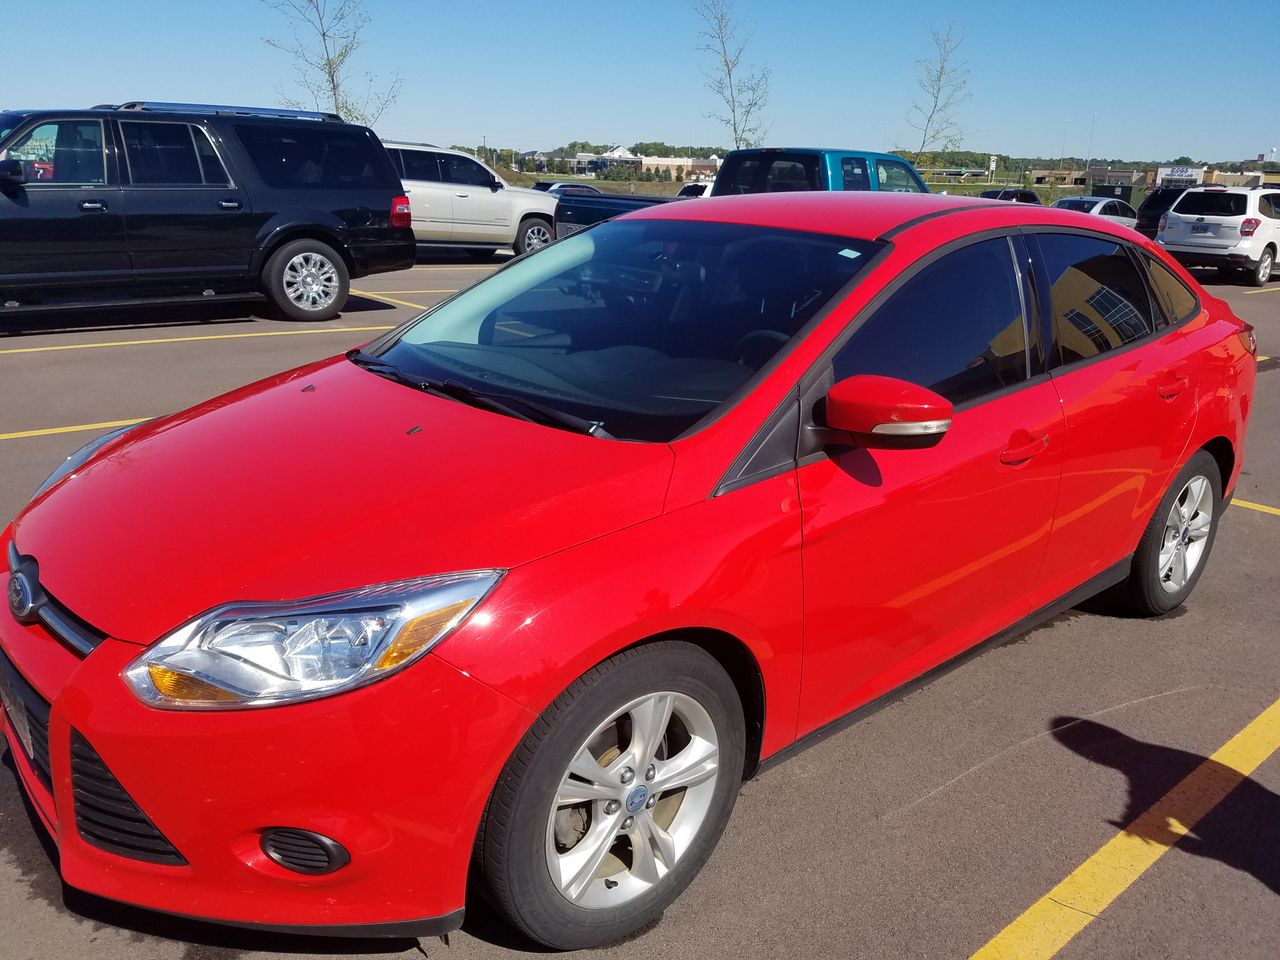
[{"x": 1241, "y": 831}]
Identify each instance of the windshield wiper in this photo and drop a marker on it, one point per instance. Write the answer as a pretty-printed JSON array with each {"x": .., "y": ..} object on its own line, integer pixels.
[{"x": 517, "y": 407}]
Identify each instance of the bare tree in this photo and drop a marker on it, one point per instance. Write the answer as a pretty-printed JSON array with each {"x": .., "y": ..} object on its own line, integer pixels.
[
  {"x": 325, "y": 36},
  {"x": 944, "y": 81},
  {"x": 744, "y": 93}
]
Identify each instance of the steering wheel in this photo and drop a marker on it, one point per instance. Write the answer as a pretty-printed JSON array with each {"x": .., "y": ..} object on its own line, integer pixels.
[{"x": 744, "y": 344}]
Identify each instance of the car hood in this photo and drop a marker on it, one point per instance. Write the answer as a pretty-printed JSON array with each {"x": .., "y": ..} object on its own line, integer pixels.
[{"x": 321, "y": 479}]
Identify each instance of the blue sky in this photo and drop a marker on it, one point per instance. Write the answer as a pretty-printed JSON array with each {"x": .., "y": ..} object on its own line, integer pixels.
[{"x": 531, "y": 75}]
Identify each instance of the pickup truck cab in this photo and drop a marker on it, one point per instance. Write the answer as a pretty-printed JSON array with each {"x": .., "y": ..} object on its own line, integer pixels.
[{"x": 782, "y": 169}]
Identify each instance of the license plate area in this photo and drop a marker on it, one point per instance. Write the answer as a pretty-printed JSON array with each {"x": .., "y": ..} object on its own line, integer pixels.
[
  {"x": 16, "y": 711},
  {"x": 1201, "y": 228}
]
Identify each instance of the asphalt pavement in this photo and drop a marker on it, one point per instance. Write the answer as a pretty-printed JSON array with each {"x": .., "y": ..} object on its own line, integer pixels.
[{"x": 1053, "y": 776}]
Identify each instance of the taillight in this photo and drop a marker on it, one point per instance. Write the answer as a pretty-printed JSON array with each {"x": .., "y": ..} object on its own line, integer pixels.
[
  {"x": 1249, "y": 226},
  {"x": 1164, "y": 219},
  {"x": 1249, "y": 340},
  {"x": 401, "y": 212}
]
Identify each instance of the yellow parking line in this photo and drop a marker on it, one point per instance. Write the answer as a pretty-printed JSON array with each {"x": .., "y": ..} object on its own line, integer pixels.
[
  {"x": 1250, "y": 293},
  {"x": 1260, "y": 507},
  {"x": 417, "y": 291},
  {"x": 48, "y": 431},
  {"x": 1260, "y": 358},
  {"x": 1051, "y": 922},
  {"x": 211, "y": 336},
  {"x": 378, "y": 296},
  {"x": 467, "y": 266}
]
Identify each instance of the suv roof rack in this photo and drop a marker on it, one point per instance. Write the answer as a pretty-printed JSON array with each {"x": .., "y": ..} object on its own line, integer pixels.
[{"x": 222, "y": 110}]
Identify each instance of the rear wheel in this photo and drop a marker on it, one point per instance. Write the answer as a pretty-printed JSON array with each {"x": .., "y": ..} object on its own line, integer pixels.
[
  {"x": 1261, "y": 275},
  {"x": 306, "y": 280},
  {"x": 1175, "y": 547},
  {"x": 615, "y": 798},
  {"x": 534, "y": 233}
]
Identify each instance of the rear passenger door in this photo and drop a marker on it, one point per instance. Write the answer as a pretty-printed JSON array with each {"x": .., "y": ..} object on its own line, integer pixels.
[
  {"x": 430, "y": 198},
  {"x": 1126, "y": 379},
  {"x": 185, "y": 216}
]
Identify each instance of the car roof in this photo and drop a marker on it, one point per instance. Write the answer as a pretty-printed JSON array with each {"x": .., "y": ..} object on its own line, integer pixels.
[
  {"x": 186, "y": 112},
  {"x": 818, "y": 150},
  {"x": 1215, "y": 188},
  {"x": 866, "y": 215}
]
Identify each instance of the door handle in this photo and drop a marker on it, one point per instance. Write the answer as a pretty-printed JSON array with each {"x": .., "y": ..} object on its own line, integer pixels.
[
  {"x": 93, "y": 206},
  {"x": 1173, "y": 386},
  {"x": 1024, "y": 449},
  {"x": 462, "y": 194},
  {"x": 228, "y": 204}
]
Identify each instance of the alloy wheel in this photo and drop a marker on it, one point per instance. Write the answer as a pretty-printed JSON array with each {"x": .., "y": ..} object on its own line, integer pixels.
[
  {"x": 1186, "y": 530},
  {"x": 536, "y": 236},
  {"x": 311, "y": 281}
]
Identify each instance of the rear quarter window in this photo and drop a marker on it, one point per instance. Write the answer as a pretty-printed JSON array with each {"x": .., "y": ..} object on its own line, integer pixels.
[
  {"x": 1211, "y": 204},
  {"x": 1178, "y": 302},
  {"x": 322, "y": 156}
]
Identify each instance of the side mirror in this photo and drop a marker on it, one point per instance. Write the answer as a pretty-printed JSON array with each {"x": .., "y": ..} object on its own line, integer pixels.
[
  {"x": 495, "y": 184},
  {"x": 887, "y": 413},
  {"x": 12, "y": 173}
]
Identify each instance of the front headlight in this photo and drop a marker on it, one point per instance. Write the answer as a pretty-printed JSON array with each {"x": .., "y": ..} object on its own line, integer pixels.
[
  {"x": 80, "y": 457},
  {"x": 262, "y": 654}
]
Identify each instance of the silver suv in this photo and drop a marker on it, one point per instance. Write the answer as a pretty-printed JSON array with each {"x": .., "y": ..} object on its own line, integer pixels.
[
  {"x": 457, "y": 201},
  {"x": 1232, "y": 228}
]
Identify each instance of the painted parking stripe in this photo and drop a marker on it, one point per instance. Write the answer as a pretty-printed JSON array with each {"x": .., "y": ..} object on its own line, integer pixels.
[
  {"x": 1250, "y": 293},
  {"x": 211, "y": 336},
  {"x": 49, "y": 431},
  {"x": 378, "y": 296},
  {"x": 1250, "y": 505},
  {"x": 385, "y": 292},
  {"x": 1051, "y": 922}
]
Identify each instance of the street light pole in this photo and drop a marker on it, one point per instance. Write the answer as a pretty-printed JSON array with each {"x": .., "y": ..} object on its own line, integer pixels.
[{"x": 1088, "y": 179}]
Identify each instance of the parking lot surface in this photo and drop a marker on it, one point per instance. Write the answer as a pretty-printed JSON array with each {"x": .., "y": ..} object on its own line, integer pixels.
[{"x": 1001, "y": 790}]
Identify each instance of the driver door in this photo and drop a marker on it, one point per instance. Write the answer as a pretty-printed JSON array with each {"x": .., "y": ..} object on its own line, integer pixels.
[{"x": 480, "y": 213}]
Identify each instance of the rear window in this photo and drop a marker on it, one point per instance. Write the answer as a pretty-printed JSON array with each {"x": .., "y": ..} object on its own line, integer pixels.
[
  {"x": 767, "y": 173},
  {"x": 1080, "y": 206},
  {"x": 1159, "y": 201},
  {"x": 1211, "y": 204},
  {"x": 323, "y": 156}
]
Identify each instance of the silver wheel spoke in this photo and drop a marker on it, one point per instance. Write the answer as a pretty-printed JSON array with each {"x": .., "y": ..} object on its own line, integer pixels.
[
  {"x": 650, "y": 846},
  {"x": 649, "y": 723},
  {"x": 584, "y": 782},
  {"x": 693, "y": 765},
  {"x": 579, "y": 866}
]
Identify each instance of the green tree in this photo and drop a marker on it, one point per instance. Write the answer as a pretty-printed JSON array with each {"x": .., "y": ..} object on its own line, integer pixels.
[{"x": 680, "y": 172}]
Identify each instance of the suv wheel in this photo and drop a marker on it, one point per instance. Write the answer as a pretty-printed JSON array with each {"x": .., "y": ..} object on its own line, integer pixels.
[
  {"x": 615, "y": 798},
  {"x": 307, "y": 280},
  {"x": 1262, "y": 272},
  {"x": 534, "y": 232}
]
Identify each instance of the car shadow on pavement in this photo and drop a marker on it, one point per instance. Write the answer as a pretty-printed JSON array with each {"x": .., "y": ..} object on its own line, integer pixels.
[
  {"x": 34, "y": 856},
  {"x": 1242, "y": 831},
  {"x": 93, "y": 319}
]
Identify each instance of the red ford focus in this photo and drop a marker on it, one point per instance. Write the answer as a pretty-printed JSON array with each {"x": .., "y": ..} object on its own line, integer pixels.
[{"x": 520, "y": 592}]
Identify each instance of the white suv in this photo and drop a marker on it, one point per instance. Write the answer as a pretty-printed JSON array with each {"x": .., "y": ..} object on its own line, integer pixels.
[
  {"x": 1231, "y": 228},
  {"x": 457, "y": 201}
]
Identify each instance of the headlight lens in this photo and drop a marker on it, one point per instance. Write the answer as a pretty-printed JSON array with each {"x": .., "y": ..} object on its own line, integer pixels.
[
  {"x": 262, "y": 654},
  {"x": 78, "y": 459}
]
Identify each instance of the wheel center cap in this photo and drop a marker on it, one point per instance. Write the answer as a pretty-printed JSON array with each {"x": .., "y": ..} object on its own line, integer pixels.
[{"x": 637, "y": 798}]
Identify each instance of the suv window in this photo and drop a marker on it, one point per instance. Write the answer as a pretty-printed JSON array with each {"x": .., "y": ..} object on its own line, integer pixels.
[
  {"x": 1178, "y": 302},
  {"x": 854, "y": 171},
  {"x": 161, "y": 153},
  {"x": 1197, "y": 204},
  {"x": 956, "y": 327},
  {"x": 62, "y": 152},
  {"x": 1160, "y": 200},
  {"x": 895, "y": 176},
  {"x": 420, "y": 165},
  {"x": 316, "y": 156},
  {"x": 455, "y": 169},
  {"x": 215, "y": 174},
  {"x": 1097, "y": 296},
  {"x": 1269, "y": 205}
]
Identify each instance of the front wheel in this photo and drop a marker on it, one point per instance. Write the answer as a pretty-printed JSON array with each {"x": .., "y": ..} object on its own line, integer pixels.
[
  {"x": 1175, "y": 547},
  {"x": 307, "y": 280},
  {"x": 1261, "y": 275},
  {"x": 616, "y": 797},
  {"x": 533, "y": 234}
]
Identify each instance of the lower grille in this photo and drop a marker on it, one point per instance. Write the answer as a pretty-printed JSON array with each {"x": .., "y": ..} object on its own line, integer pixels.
[
  {"x": 303, "y": 851},
  {"x": 107, "y": 817},
  {"x": 35, "y": 710}
]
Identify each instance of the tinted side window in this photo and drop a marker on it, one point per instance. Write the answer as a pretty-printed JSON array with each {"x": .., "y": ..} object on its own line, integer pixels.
[
  {"x": 161, "y": 153},
  {"x": 317, "y": 156},
  {"x": 454, "y": 169},
  {"x": 956, "y": 327},
  {"x": 796, "y": 174},
  {"x": 854, "y": 170},
  {"x": 895, "y": 176},
  {"x": 1178, "y": 302},
  {"x": 62, "y": 152},
  {"x": 1270, "y": 205},
  {"x": 421, "y": 165},
  {"x": 215, "y": 174},
  {"x": 1097, "y": 297},
  {"x": 738, "y": 175}
]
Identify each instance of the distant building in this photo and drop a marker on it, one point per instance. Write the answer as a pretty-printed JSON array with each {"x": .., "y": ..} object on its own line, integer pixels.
[
  {"x": 1059, "y": 177},
  {"x": 1105, "y": 176},
  {"x": 1180, "y": 176}
]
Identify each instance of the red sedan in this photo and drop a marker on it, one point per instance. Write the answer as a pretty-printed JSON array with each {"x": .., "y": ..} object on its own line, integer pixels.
[{"x": 521, "y": 591}]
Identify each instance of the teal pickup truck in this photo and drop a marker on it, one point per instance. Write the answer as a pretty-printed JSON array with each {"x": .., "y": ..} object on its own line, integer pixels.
[{"x": 760, "y": 170}]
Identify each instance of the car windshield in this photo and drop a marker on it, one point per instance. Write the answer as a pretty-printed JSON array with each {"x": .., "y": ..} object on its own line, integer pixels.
[
  {"x": 644, "y": 327},
  {"x": 1082, "y": 206},
  {"x": 7, "y": 123}
]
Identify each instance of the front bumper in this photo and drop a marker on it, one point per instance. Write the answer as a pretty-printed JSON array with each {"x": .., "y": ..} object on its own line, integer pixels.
[{"x": 397, "y": 772}]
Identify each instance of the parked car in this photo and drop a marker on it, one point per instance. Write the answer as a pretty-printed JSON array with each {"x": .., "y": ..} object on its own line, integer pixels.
[
  {"x": 1014, "y": 195},
  {"x": 1109, "y": 208},
  {"x": 765, "y": 170},
  {"x": 460, "y": 202},
  {"x": 1236, "y": 229},
  {"x": 1153, "y": 207},
  {"x": 226, "y": 699},
  {"x": 693, "y": 190},
  {"x": 563, "y": 186},
  {"x": 172, "y": 202}
]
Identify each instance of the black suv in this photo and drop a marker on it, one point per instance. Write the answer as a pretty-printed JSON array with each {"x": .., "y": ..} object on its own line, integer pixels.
[
  {"x": 180, "y": 202},
  {"x": 1154, "y": 206}
]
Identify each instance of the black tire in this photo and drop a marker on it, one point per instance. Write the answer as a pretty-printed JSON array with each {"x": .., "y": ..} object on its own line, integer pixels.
[
  {"x": 481, "y": 254},
  {"x": 1260, "y": 276},
  {"x": 1144, "y": 592},
  {"x": 274, "y": 281},
  {"x": 534, "y": 232},
  {"x": 511, "y": 848}
]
